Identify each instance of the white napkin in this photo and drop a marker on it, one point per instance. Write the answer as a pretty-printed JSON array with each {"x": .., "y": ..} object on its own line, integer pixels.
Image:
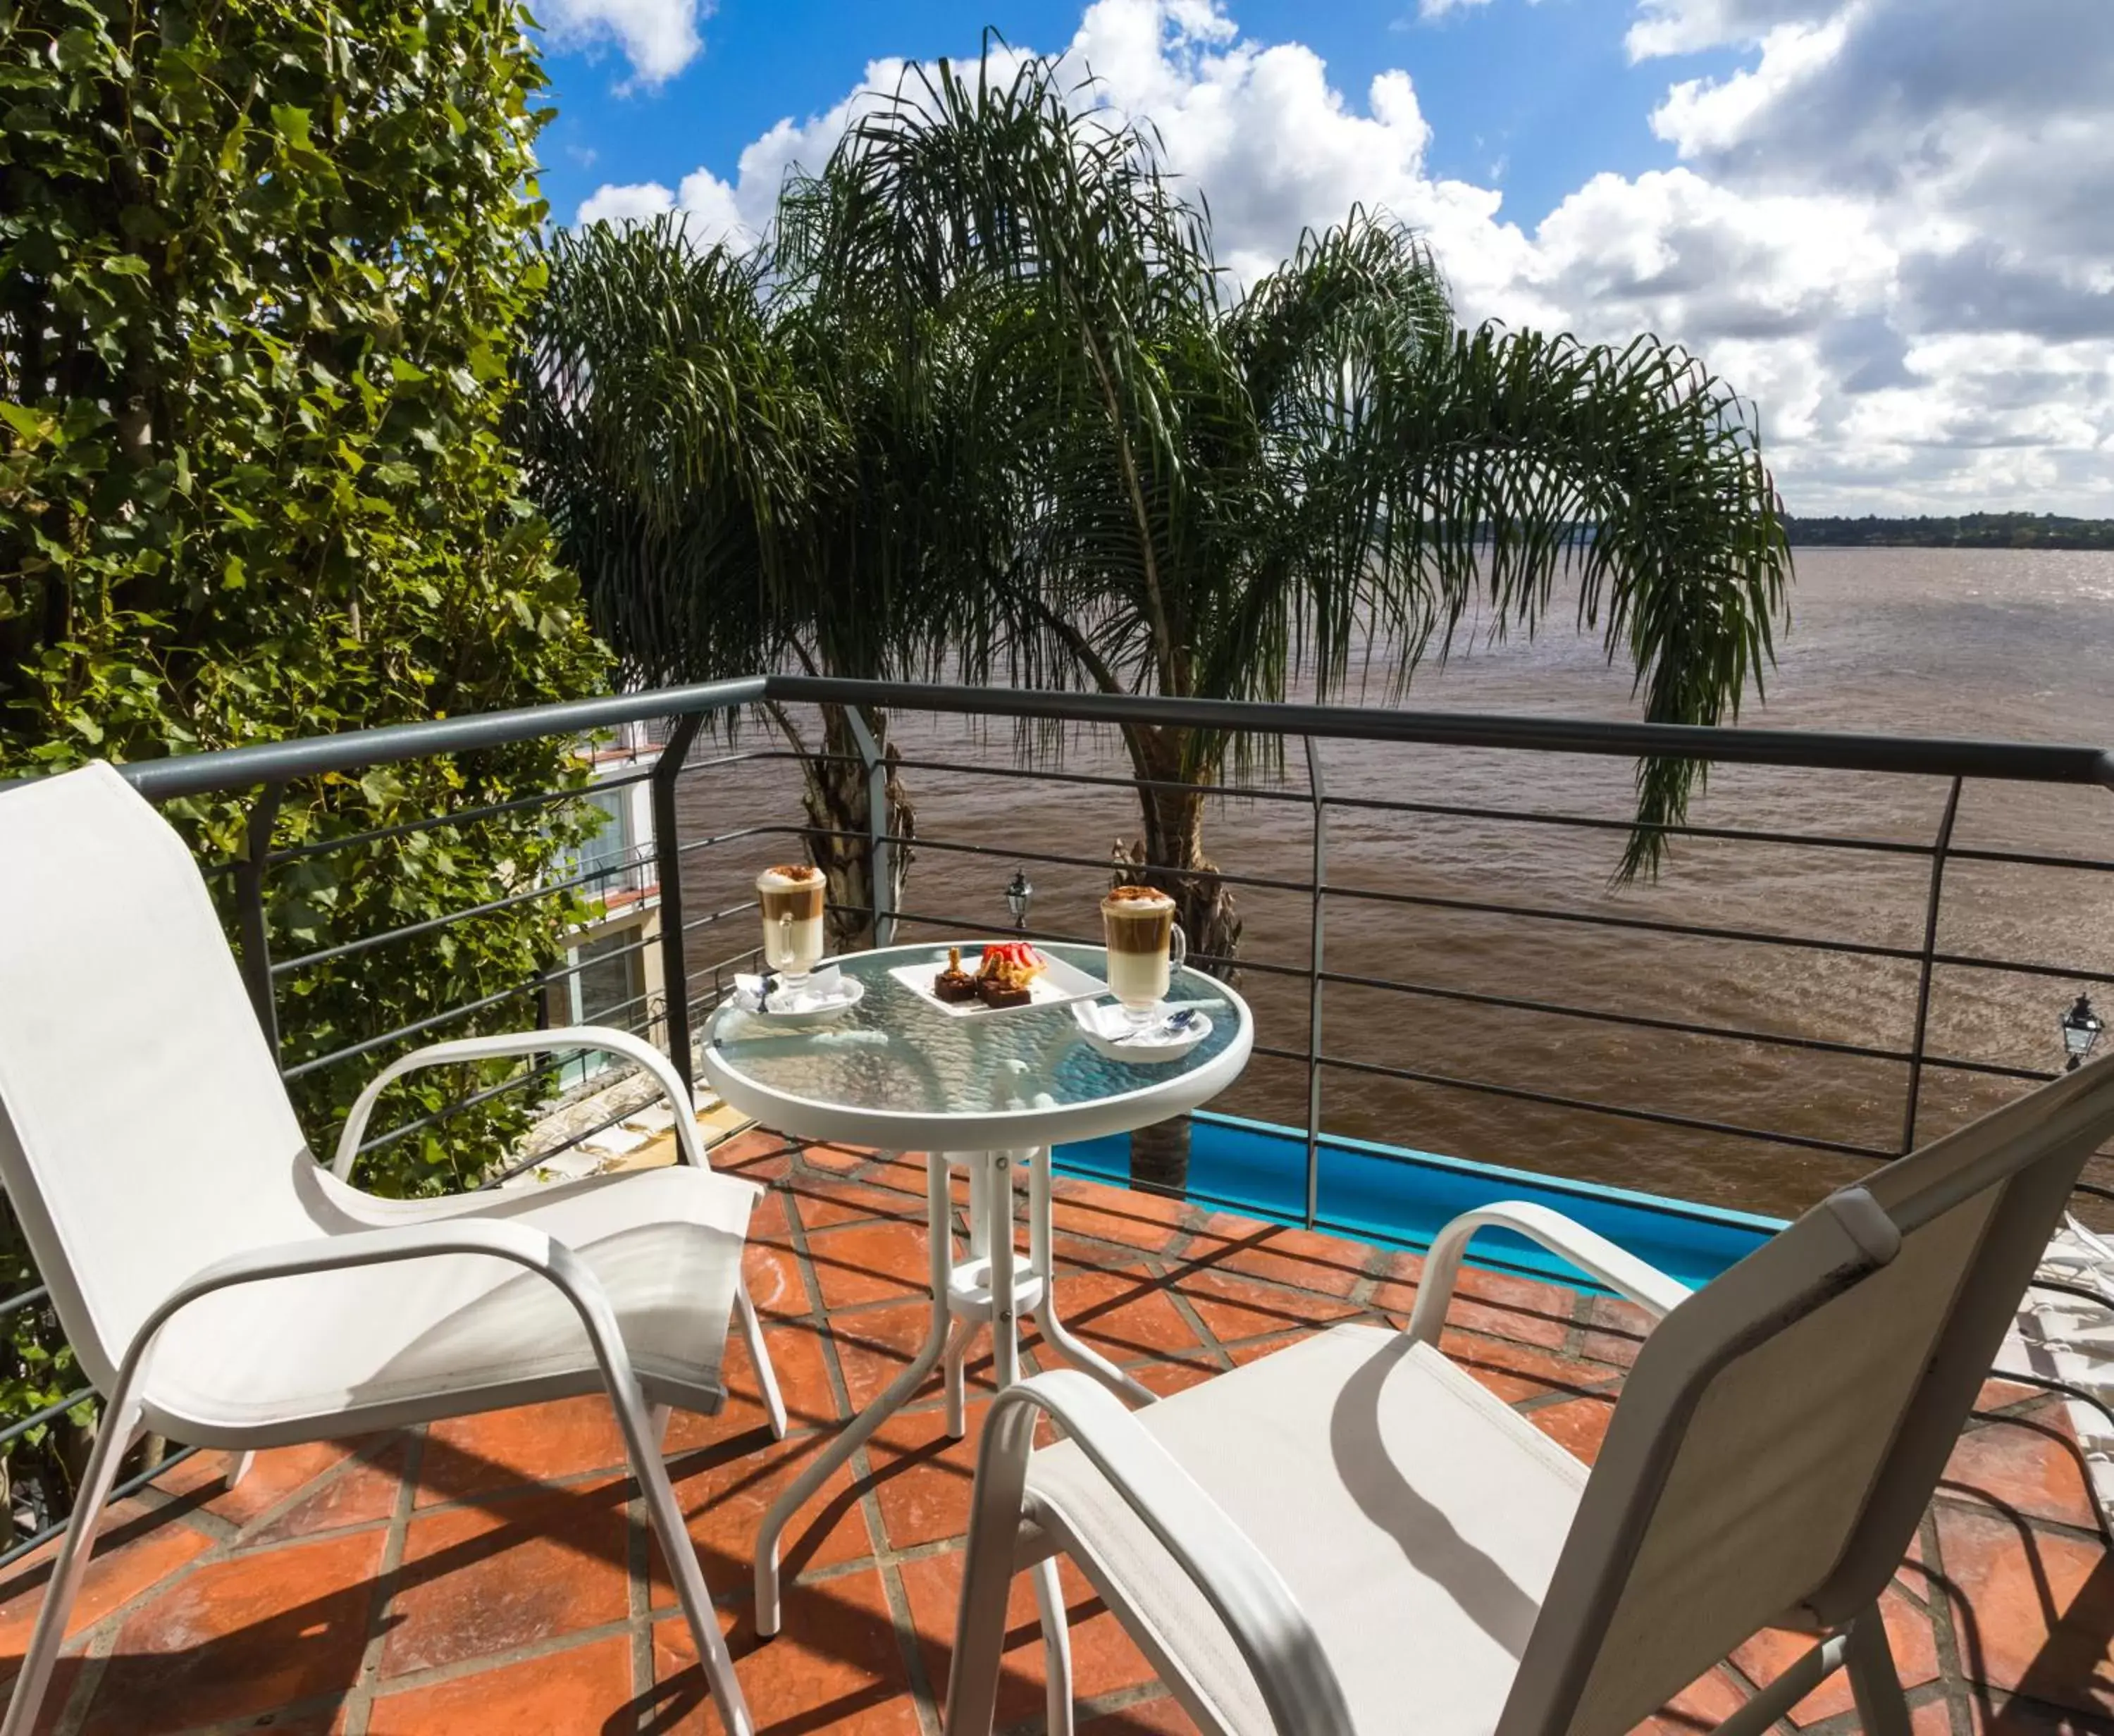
[
  {"x": 825, "y": 988},
  {"x": 1110, "y": 1023}
]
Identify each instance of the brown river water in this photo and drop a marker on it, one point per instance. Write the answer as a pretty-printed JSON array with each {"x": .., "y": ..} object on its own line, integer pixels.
[{"x": 2001, "y": 644}]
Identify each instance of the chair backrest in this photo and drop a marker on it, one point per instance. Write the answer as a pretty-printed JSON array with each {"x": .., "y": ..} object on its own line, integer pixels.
[
  {"x": 144, "y": 1129},
  {"x": 1778, "y": 1440}
]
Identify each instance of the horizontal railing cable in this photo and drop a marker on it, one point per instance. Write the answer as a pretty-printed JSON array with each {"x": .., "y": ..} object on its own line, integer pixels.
[
  {"x": 22, "y": 1425},
  {"x": 130, "y": 1485},
  {"x": 712, "y": 919},
  {"x": 1103, "y": 780},
  {"x": 1657, "y": 1118},
  {"x": 416, "y": 1028},
  {"x": 641, "y": 858},
  {"x": 690, "y": 845},
  {"x": 463, "y": 817}
]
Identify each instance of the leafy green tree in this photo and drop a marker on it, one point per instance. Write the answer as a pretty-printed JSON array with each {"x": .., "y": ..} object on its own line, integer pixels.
[{"x": 261, "y": 263}]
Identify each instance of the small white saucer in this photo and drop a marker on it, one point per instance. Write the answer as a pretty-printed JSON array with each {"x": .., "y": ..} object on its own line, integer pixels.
[
  {"x": 1106, "y": 1030},
  {"x": 851, "y": 991}
]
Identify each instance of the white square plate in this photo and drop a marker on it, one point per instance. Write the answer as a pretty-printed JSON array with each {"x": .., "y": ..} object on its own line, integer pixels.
[{"x": 1058, "y": 985}]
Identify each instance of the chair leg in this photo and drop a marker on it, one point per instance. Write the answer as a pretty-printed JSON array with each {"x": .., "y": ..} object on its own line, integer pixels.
[
  {"x": 35, "y": 1678},
  {"x": 992, "y": 1550},
  {"x": 767, "y": 1376},
  {"x": 1882, "y": 1707},
  {"x": 641, "y": 1447},
  {"x": 657, "y": 1420},
  {"x": 241, "y": 1468},
  {"x": 1056, "y": 1648}
]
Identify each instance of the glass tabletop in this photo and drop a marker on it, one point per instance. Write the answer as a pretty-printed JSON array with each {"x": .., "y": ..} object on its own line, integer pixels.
[{"x": 896, "y": 1053}]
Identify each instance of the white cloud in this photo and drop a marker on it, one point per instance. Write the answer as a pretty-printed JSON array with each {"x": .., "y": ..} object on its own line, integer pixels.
[
  {"x": 741, "y": 210},
  {"x": 659, "y": 37},
  {"x": 1685, "y": 26},
  {"x": 612, "y": 203},
  {"x": 711, "y": 208},
  {"x": 1701, "y": 117},
  {"x": 1892, "y": 225}
]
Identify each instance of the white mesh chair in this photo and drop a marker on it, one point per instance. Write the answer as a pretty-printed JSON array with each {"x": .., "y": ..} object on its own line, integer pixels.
[
  {"x": 1351, "y": 1535},
  {"x": 222, "y": 1288}
]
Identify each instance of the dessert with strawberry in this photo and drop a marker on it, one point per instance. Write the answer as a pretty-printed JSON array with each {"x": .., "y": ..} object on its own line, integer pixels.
[{"x": 1008, "y": 969}]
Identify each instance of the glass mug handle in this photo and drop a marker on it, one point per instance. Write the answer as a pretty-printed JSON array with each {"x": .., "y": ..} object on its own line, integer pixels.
[
  {"x": 785, "y": 940},
  {"x": 1178, "y": 947}
]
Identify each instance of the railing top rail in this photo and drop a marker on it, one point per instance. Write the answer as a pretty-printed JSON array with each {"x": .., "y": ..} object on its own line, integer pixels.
[
  {"x": 2033, "y": 762},
  {"x": 309, "y": 756}
]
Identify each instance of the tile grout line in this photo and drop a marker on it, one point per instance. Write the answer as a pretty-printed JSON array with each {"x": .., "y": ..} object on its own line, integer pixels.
[
  {"x": 359, "y": 1702},
  {"x": 457, "y": 1669},
  {"x": 1945, "y": 1498},
  {"x": 1944, "y": 1638},
  {"x": 95, "y": 1644},
  {"x": 924, "y": 1699},
  {"x": 95, "y": 1661},
  {"x": 1177, "y": 1248}
]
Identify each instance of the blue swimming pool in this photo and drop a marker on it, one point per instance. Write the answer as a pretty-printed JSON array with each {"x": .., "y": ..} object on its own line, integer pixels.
[{"x": 1391, "y": 1194}]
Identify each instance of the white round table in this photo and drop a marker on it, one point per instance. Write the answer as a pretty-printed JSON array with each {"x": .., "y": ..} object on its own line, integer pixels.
[{"x": 991, "y": 1093}]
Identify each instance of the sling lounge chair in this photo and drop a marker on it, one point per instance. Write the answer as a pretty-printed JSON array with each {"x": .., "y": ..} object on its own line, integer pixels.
[
  {"x": 1351, "y": 1537},
  {"x": 223, "y": 1289}
]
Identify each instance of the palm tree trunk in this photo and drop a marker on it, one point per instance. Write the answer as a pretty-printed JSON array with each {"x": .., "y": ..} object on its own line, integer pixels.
[
  {"x": 1170, "y": 855},
  {"x": 839, "y": 808}
]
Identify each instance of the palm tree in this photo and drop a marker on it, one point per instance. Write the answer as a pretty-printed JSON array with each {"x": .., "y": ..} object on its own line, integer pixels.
[
  {"x": 1218, "y": 492},
  {"x": 749, "y": 470},
  {"x": 1211, "y": 493}
]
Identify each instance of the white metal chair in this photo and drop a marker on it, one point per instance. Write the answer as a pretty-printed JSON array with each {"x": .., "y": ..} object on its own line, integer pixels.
[
  {"x": 1353, "y": 1536},
  {"x": 222, "y": 1288}
]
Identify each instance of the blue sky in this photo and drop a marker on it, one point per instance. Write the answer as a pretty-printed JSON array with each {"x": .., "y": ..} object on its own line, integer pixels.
[
  {"x": 1531, "y": 100},
  {"x": 1888, "y": 223}
]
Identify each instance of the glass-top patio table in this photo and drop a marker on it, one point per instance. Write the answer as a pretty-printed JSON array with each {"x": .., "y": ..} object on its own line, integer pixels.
[{"x": 990, "y": 1092}]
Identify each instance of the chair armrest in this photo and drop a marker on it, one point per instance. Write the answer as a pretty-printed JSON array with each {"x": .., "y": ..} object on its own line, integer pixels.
[
  {"x": 605, "y": 1038},
  {"x": 1590, "y": 1252},
  {"x": 1297, "y": 1683},
  {"x": 519, "y": 1243},
  {"x": 523, "y": 1244}
]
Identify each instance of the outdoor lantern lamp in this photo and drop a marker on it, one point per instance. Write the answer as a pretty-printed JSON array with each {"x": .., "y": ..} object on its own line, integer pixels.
[
  {"x": 1018, "y": 895},
  {"x": 2080, "y": 1030}
]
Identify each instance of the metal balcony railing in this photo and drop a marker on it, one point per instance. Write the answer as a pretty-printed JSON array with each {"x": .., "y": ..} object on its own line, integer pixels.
[{"x": 693, "y": 971}]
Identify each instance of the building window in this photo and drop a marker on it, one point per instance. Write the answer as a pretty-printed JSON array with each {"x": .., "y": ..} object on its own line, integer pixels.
[{"x": 611, "y": 848}]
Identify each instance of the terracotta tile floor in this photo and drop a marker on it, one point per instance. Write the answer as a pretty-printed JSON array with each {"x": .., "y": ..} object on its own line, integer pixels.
[{"x": 494, "y": 1574}]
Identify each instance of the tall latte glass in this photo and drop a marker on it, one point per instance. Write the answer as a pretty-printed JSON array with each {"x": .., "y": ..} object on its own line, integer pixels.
[
  {"x": 1146, "y": 945},
  {"x": 791, "y": 902}
]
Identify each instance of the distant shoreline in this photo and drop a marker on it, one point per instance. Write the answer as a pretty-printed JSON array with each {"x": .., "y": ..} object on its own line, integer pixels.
[{"x": 1970, "y": 531}]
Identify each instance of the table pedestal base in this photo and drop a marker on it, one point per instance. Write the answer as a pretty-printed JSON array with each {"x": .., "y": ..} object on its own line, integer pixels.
[{"x": 988, "y": 1288}]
